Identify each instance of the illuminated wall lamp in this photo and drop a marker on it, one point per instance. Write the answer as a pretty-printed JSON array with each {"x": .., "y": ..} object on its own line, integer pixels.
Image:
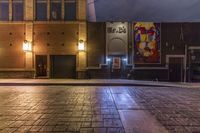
[
  {"x": 27, "y": 47},
  {"x": 108, "y": 59},
  {"x": 125, "y": 59},
  {"x": 81, "y": 45}
]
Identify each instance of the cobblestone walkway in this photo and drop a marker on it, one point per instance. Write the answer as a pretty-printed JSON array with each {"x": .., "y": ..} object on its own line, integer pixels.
[
  {"x": 177, "y": 109},
  {"x": 58, "y": 109},
  {"x": 95, "y": 109}
]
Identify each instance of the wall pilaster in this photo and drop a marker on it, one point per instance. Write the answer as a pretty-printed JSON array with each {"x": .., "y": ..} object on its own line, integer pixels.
[
  {"x": 29, "y": 10},
  {"x": 29, "y": 37},
  {"x": 81, "y": 10}
]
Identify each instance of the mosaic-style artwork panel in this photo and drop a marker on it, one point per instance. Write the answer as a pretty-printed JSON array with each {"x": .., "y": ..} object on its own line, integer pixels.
[{"x": 147, "y": 43}]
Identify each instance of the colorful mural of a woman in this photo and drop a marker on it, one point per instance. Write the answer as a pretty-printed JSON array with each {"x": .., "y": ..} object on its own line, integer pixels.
[{"x": 146, "y": 42}]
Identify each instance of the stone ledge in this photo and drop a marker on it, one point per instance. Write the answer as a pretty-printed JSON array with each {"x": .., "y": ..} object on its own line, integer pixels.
[{"x": 17, "y": 74}]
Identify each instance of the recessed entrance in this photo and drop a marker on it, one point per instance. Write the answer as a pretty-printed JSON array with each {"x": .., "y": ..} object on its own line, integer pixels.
[
  {"x": 176, "y": 69},
  {"x": 117, "y": 67},
  {"x": 63, "y": 66},
  {"x": 41, "y": 65}
]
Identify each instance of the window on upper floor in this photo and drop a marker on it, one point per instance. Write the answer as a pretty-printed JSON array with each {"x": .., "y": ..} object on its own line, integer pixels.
[
  {"x": 4, "y": 10},
  {"x": 18, "y": 10},
  {"x": 41, "y": 10},
  {"x": 70, "y": 10},
  {"x": 56, "y": 6}
]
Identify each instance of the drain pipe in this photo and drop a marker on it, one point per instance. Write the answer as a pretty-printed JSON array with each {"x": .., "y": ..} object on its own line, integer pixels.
[{"x": 185, "y": 64}]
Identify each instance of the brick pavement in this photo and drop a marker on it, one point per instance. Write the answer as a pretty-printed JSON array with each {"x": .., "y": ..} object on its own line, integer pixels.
[
  {"x": 58, "y": 109},
  {"x": 92, "y": 109},
  {"x": 177, "y": 109}
]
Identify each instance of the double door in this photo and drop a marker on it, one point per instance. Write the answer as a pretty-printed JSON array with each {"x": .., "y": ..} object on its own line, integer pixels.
[{"x": 61, "y": 66}]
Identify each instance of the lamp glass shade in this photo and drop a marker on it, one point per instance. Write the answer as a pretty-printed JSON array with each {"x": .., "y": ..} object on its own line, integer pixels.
[
  {"x": 81, "y": 46},
  {"x": 27, "y": 46}
]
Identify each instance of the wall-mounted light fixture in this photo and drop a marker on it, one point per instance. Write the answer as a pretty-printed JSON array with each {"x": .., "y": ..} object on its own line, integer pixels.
[
  {"x": 125, "y": 59},
  {"x": 108, "y": 59},
  {"x": 173, "y": 47},
  {"x": 167, "y": 44},
  {"x": 27, "y": 47},
  {"x": 193, "y": 57},
  {"x": 81, "y": 45}
]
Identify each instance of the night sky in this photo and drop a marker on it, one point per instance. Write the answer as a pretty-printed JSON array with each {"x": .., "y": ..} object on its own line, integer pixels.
[{"x": 145, "y": 10}]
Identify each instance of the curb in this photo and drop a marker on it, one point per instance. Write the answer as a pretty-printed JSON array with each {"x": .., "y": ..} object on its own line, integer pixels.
[{"x": 79, "y": 84}]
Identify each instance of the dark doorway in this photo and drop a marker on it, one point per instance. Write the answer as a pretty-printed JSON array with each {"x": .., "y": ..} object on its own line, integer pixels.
[
  {"x": 117, "y": 67},
  {"x": 41, "y": 65},
  {"x": 176, "y": 69},
  {"x": 63, "y": 66}
]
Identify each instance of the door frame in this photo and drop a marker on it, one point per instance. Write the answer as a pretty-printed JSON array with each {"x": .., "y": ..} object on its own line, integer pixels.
[
  {"x": 122, "y": 68},
  {"x": 47, "y": 64},
  {"x": 189, "y": 59},
  {"x": 183, "y": 74}
]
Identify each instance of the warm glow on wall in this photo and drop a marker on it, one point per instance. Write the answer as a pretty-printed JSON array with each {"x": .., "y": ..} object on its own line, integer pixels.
[
  {"x": 27, "y": 47},
  {"x": 81, "y": 45}
]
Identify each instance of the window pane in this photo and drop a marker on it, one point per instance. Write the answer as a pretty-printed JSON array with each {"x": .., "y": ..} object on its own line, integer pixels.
[
  {"x": 4, "y": 8},
  {"x": 41, "y": 10},
  {"x": 70, "y": 9},
  {"x": 56, "y": 9},
  {"x": 18, "y": 10}
]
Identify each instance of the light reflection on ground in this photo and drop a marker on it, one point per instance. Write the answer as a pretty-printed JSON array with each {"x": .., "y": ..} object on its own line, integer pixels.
[{"x": 96, "y": 109}]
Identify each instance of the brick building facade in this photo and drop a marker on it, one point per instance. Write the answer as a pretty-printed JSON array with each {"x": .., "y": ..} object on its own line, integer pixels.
[
  {"x": 53, "y": 27},
  {"x": 179, "y": 54}
]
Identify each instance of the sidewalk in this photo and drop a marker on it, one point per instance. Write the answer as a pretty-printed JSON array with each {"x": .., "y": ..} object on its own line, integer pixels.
[{"x": 93, "y": 82}]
